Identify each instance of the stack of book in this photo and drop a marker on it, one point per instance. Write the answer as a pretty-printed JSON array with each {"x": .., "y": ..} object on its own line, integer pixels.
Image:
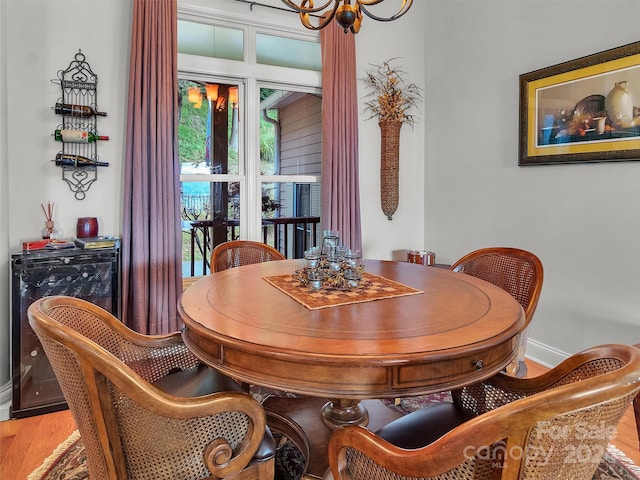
[
  {"x": 46, "y": 244},
  {"x": 95, "y": 242}
]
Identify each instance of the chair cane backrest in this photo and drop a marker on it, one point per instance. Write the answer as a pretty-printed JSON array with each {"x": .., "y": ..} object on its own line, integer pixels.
[
  {"x": 516, "y": 271},
  {"x": 129, "y": 428},
  {"x": 557, "y": 425},
  {"x": 242, "y": 252}
]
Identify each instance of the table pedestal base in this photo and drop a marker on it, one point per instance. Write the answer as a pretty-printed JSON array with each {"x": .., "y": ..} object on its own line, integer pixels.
[
  {"x": 307, "y": 413},
  {"x": 343, "y": 412}
]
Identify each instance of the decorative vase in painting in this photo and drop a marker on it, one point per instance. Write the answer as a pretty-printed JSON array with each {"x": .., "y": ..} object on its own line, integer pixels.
[
  {"x": 619, "y": 105},
  {"x": 389, "y": 166}
]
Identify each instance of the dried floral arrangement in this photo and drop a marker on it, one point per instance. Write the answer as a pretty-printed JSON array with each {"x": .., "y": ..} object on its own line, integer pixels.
[{"x": 393, "y": 96}]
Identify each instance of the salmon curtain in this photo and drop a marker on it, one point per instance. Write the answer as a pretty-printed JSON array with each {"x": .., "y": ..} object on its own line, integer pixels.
[
  {"x": 151, "y": 237},
  {"x": 340, "y": 175}
]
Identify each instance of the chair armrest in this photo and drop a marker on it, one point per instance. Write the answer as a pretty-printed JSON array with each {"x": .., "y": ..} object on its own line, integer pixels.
[
  {"x": 502, "y": 388},
  {"x": 224, "y": 430},
  {"x": 375, "y": 458}
]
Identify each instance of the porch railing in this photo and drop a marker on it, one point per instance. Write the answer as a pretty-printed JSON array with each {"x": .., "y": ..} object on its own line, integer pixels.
[{"x": 290, "y": 235}]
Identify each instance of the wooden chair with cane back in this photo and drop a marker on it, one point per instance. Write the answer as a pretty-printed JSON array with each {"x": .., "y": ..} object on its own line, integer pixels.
[
  {"x": 516, "y": 271},
  {"x": 236, "y": 253},
  {"x": 556, "y": 425},
  {"x": 144, "y": 405}
]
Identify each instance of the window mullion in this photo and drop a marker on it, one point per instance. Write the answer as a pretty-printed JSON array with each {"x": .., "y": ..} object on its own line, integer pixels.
[{"x": 253, "y": 212}]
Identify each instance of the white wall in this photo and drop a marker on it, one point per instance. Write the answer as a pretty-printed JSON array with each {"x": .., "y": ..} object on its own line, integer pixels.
[
  {"x": 43, "y": 37},
  {"x": 404, "y": 40},
  {"x": 5, "y": 386},
  {"x": 583, "y": 221}
]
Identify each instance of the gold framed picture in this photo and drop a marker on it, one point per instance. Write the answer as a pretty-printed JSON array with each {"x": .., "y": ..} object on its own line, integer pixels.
[{"x": 585, "y": 110}]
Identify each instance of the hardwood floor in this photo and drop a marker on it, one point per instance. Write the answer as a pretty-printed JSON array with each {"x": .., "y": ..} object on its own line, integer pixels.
[{"x": 27, "y": 442}]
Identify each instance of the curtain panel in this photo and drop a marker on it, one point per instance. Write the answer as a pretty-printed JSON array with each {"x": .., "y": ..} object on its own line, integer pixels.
[
  {"x": 340, "y": 174},
  {"x": 151, "y": 236}
]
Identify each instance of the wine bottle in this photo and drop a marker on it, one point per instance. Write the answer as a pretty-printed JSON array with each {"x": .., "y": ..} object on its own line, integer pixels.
[
  {"x": 68, "y": 160},
  {"x": 76, "y": 110},
  {"x": 77, "y": 136}
]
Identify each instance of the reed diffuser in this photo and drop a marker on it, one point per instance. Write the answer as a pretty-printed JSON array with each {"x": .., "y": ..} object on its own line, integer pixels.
[{"x": 49, "y": 230}]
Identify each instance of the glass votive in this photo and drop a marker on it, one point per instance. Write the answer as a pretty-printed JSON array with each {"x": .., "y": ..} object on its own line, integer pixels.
[
  {"x": 312, "y": 257},
  {"x": 353, "y": 278},
  {"x": 335, "y": 262},
  {"x": 315, "y": 278},
  {"x": 352, "y": 258}
]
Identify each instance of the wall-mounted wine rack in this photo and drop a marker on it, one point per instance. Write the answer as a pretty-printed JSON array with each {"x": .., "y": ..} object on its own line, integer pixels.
[{"x": 78, "y": 106}]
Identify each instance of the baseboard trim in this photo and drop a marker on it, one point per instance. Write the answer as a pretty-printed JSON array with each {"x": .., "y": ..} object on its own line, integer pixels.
[
  {"x": 544, "y": 354},
  {"x": 5, "y": 401}
]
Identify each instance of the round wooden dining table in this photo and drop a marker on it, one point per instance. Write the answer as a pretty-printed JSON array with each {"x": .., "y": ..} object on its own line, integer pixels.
[
  {"x": 452, "y": 330},
  {"x": 456, "y": 331}
]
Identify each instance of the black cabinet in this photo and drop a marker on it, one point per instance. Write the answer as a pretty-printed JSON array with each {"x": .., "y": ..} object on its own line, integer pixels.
[{"x": 91, "y": 275}]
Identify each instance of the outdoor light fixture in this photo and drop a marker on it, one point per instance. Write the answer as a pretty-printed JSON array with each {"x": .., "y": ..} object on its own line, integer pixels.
[
  {"x": 348, "y": 13},
  {"x": 233, "y": 97},
  {"x": 212, "y": 91},
  {"x": 194, "y": 96}
]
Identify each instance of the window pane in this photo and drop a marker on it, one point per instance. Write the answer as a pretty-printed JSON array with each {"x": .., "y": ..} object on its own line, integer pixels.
[
  {"x": 287, "y": 52},
  {"x": 208, "y": 128},
  {"x": 210, "y": 215},
  {"x": 291, "y": 215},
  {"x": 291, "y": 133},
  {"x": 210, "y": 41}
]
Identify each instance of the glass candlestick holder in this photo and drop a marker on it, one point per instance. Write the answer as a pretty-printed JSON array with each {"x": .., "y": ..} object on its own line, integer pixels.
[{"x": 330, "y": 241}]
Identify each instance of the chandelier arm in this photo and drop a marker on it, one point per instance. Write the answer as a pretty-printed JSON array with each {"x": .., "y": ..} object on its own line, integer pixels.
[
  {"x": 304, "y": 18},
  {"x": 302, "y": 9},
  {"x": 406, "y": 5},
  {"x": 355, "y": 28}
]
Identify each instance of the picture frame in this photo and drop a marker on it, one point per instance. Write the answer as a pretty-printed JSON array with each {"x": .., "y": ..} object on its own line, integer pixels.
[{"x": 584, "y": 110}]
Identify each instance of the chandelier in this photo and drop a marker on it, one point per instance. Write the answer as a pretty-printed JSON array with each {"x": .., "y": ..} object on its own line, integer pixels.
[{"x": 348, "y": 13}]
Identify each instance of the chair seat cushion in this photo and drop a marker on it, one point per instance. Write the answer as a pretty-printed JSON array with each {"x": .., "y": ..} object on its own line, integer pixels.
[
  {"x": 196, "y": 382},
  {"x": 424, "y": 426},
  {"x": 202, "y": 380},
  {"x": 267, "y": 448}
]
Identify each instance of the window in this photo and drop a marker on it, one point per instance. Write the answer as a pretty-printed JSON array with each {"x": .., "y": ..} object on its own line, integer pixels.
[
  {"x": 210, "y": 40},
  {"x": 250, "y": 136}
]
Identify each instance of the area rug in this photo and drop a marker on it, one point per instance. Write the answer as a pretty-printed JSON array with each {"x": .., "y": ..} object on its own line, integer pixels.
[{"x": 68, "y": 461}]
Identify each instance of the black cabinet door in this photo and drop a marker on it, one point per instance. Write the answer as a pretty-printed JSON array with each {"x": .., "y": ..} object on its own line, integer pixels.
[{"x": 91, "y": 275}]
